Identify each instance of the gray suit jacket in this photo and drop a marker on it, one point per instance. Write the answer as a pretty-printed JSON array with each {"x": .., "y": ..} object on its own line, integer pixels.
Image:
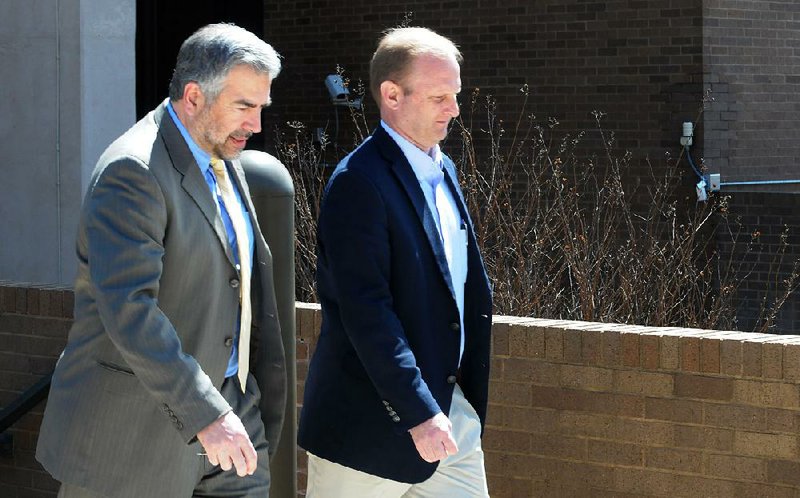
[{"x": 156, "y": 300}]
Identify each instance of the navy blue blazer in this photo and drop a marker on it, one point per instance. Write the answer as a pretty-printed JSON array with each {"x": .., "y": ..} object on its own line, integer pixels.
[{"x": 387, "y": 356}]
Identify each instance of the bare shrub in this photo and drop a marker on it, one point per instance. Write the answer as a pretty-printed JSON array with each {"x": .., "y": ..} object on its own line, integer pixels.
[{"x": 564, "y": 231}]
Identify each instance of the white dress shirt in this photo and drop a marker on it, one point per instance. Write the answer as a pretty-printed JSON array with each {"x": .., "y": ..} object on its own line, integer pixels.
[{"x": 427, "y": 168}]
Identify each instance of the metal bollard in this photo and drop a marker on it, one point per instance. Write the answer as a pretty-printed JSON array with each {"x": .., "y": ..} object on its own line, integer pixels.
[{"x": 272, "y": 191}]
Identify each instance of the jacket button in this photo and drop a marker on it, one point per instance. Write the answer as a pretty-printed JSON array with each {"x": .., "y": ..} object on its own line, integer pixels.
[
  {"x": 396, "y": 419},
  {"x": 451, "y": 379},
  {"x": 229, "y": 341},
  {"x": 234, "y": 282},
  {"x": 179, "y": 425},
  {"x": 455, "y": 327}
]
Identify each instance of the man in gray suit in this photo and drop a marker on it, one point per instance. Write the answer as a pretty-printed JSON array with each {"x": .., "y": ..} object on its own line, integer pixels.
[{"x": 155, "y": 394}]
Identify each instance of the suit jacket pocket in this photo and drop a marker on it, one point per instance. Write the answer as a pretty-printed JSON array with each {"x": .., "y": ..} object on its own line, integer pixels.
[
  {"x": 115, "y": 368},
  {"x": 119, "y": 380}
]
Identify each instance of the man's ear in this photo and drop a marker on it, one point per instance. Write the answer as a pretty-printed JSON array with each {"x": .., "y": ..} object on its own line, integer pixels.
[
  {"x": 391, "y": 94},
  {"x": 193, "y": 98}
]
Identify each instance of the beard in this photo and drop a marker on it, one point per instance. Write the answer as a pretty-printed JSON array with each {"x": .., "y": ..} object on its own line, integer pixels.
[
  {"x": 224, "y": 146},
  {"x": 219, "y": 142}
]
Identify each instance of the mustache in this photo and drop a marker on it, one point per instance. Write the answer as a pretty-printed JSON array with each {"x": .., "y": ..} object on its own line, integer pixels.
[{"x": 242, "y": 134}]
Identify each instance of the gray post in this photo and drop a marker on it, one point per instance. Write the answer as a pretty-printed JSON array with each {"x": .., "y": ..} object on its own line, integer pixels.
[{"x": 272, "y": 191}]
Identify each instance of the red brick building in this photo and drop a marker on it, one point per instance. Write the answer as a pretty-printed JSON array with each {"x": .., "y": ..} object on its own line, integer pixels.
[{"x": 645, "y": 63}]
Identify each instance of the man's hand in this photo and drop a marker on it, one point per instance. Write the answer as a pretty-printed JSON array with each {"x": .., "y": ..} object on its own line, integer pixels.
[
  {"x": 227, "y": 444},
  {"x": 434, "y": 438}
]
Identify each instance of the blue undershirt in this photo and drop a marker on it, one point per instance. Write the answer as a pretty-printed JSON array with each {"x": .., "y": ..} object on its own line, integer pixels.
[{"x": 203, "y": 160}]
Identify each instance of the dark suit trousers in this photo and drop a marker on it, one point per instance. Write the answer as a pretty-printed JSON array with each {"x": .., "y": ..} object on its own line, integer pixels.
[{"x": 213, "y": 481}]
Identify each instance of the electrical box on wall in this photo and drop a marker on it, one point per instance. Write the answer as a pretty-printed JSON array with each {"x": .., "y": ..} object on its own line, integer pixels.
[{"x": 687, "y": 132}]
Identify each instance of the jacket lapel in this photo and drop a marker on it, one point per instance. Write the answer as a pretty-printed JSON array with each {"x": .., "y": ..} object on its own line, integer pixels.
[
  {"x": 262, "y": 256},
  {"x": 262, "y": 251},
  {"x": 410, "y": 183},
  {"x": 193, "y": 182}
]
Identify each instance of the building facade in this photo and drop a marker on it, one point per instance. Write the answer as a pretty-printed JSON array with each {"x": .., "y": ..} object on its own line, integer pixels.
[{"x": 728, "y": 66}]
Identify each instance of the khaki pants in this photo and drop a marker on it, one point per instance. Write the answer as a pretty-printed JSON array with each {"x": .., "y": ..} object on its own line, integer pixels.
[{"x": 458, "y": 476}]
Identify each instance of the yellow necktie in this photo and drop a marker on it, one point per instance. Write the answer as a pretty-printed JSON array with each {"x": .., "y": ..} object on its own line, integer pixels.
[{"x": 243, "y": 243}]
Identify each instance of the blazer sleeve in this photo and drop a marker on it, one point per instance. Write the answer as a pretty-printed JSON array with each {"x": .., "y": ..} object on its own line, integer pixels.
[
  {"x": 356, "y": 251},
  {"x": 126, "y": 223}
]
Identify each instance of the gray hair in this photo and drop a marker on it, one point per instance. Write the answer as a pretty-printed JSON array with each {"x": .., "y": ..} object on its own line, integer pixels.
[
  {"x": 212, "y": 51},
  {"x": 397, "y": 50}
]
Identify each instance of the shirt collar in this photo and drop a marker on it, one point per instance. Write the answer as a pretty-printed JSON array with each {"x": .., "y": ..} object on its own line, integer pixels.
[
  {"x": 427, "y": 167},
  {"x": 202, "y": 157}
]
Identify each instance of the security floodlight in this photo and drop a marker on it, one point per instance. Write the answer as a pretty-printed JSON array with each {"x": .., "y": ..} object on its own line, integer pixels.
[
  {"x": 340, "y": 95},
  {"x": 338, "y": 92}
]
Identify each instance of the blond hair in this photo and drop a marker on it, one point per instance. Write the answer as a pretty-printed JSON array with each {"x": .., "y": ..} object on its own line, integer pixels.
[{"x": 397, "y": 50}]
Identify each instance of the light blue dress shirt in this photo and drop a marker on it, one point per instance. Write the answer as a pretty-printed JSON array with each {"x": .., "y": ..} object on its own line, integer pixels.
[
  {"x": 427, "y": 168},
  {"x": 203, "y": 160}
]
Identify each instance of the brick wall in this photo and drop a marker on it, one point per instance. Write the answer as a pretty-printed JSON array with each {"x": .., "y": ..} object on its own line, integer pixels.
[
  {"x": 752, "y": 133},
  {"x": 768, "y": 214},
  {"x": 645, "y": 63},
  {"x": 588, "y": 409},
  {"x": 33, "y": 330},
  {"x": 751, "y": 62},
  {"x": 638, "y": 61},
  {"x": 576, "y": 409}
]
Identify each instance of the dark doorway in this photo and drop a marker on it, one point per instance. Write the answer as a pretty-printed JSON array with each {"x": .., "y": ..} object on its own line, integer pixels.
[{"x": 162, "y": 26}]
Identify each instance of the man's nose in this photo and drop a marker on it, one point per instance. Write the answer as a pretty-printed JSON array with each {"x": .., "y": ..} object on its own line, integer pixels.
[
  {"x": 454, "y": 110},
  {"x": 253, "y": 123}
]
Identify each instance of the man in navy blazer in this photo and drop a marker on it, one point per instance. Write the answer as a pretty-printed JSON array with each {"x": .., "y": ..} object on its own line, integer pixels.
[{"x": 395, "y": 400}]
